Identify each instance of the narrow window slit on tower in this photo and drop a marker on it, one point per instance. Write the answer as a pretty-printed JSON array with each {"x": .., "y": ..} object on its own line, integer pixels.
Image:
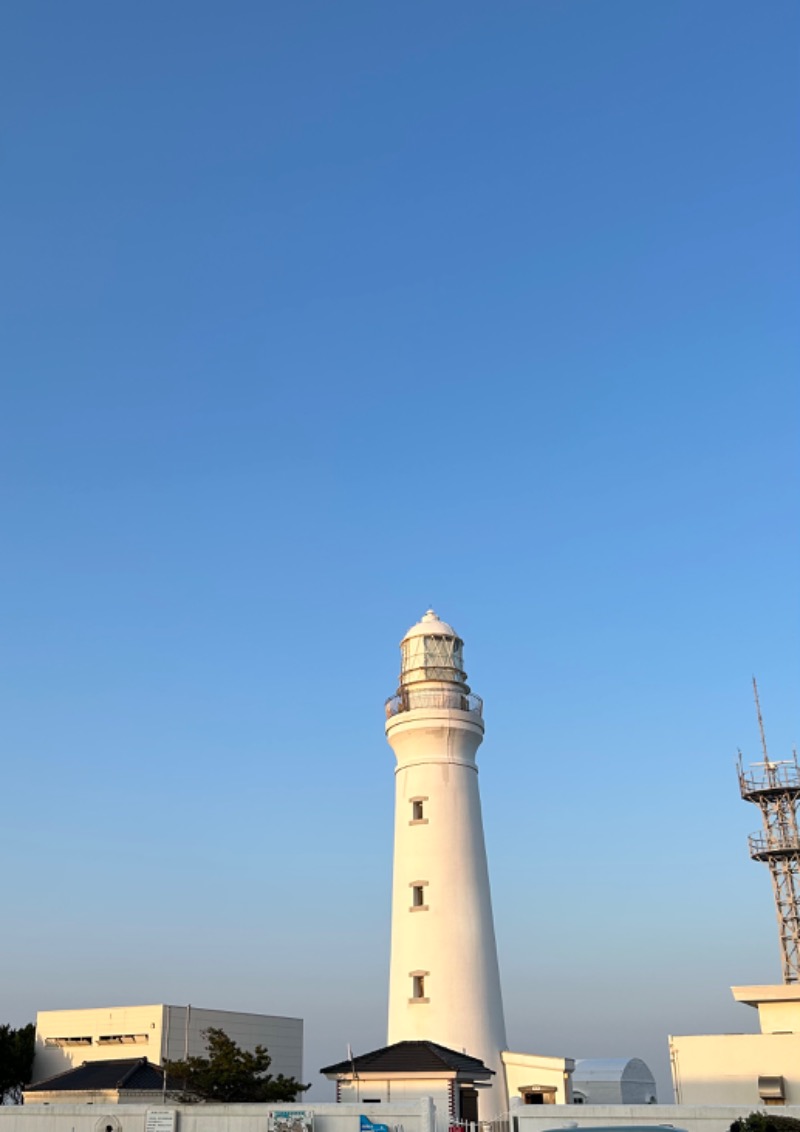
[
  {"x": 418, "y": 896},
  {"x": 418, "y": 986},
  {"x": 418, "y": 811}
]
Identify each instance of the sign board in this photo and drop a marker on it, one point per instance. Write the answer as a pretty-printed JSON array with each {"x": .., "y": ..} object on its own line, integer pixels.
[
  {"x": 161, "y": 1120},
  {"x": 291, "y": 1120},
  {"x": 368, "y": 1125}
]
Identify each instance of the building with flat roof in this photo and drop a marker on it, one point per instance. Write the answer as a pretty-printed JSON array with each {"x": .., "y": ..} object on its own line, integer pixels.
[
  {"x": 66, "y": 1039},
  {"x": 744, "y": 1069}
]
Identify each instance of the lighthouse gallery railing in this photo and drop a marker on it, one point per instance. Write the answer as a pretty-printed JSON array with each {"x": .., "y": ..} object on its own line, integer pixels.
[{"x": 409, "y": 699}]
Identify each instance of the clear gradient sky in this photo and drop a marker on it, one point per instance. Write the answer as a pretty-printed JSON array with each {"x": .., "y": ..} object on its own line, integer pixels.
[{"x": 315, "y": 314}]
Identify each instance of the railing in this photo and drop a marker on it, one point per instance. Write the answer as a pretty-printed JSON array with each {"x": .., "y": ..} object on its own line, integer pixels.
[
  {"x": 410, "y": 700},
  {"x": 762, "y": 845},
  {"x": 502, "y": 1124},
  {"x": 774, "y": 776}
]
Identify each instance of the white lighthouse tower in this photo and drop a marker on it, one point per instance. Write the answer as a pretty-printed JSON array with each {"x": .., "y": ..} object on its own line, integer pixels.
[{"x": 444, "y": 982}]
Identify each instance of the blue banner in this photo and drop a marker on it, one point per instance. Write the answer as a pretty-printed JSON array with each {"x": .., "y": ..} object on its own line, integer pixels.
[{"x": 368, "y": 1126}]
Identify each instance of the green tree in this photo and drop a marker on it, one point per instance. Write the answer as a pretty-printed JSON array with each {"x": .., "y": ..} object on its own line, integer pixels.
[
  {"x": 16, "y": 1061},
  {"x": 766, "y": 1122},
  {"x": 230, "y": 1074}
]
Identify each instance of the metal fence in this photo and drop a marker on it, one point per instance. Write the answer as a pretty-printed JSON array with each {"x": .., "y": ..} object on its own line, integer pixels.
[{"x": 500, "y": 1125}]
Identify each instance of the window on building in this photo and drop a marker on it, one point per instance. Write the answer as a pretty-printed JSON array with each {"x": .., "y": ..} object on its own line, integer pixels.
[{"x": 419, "y": 986}]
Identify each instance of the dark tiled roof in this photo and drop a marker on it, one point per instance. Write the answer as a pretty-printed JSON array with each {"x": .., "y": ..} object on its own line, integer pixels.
[
  {"x": 122, "y": 1073},
  {"x": 412, "y": 1057}
]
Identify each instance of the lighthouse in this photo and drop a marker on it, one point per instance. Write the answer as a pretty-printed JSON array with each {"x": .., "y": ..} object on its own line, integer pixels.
[{"x": 444, "y": 980}]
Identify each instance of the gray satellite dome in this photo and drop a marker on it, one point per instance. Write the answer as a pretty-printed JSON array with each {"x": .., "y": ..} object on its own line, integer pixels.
[{"x": 613, "y": 1080}]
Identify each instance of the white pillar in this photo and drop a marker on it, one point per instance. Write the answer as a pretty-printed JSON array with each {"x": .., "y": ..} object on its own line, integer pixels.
[{"x": 444, "y": 981}]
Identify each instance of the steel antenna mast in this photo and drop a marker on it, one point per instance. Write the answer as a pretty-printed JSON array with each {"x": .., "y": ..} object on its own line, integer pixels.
[{"x": 775, "y": 788}]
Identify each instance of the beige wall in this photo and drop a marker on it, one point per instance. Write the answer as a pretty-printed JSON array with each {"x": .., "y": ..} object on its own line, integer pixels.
[
  {"x": 780, "y": 1017},
  {"x": 524, "y": 1069},
  {"x": 778, "y": 1005},
  {"x": 691, "y": 1118},
  {"x": 723, "y": 1069},
  {"x": 100, "y": 1098},
  {"x": 160, "y": 1031},
  {"x": 146, "y": 1022}
]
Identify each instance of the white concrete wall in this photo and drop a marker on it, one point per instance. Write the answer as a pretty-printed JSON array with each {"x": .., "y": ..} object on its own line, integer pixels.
[
  {"x": 393, "y": 1092},
  {"x": 724, "y": 1068},
  {"x": 542, "y": 1118},
  {"x": 414, "y": 1117}
]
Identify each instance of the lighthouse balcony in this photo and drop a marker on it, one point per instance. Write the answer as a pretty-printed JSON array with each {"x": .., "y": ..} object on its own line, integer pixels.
[
  {"x": 776, "y": 843},
  {"x": 411, "y": 700},
  {"x": 769, "y": 780}
]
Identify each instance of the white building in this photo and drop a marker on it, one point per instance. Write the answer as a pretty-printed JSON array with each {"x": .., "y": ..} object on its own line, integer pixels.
[
  {"x": 67, "y": 1038},
  {"x": 410, "y": 1071},
  {"x": 744, "y": 1069}
]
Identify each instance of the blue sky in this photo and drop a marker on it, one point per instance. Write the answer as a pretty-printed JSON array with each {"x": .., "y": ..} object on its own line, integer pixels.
[{"x": 314, "y": 315}]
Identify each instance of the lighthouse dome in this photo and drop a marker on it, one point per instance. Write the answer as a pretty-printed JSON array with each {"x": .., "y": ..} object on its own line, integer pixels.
[
  {"x": 431, "y": 625},
  {"x": 432, "y": 650}
]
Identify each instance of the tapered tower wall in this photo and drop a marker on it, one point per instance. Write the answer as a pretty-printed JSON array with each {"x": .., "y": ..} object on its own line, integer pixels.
[{"x": 444, "y": 978}]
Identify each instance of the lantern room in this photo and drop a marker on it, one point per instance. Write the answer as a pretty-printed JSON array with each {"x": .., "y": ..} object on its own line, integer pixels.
[{"x": 432, "y": 650}]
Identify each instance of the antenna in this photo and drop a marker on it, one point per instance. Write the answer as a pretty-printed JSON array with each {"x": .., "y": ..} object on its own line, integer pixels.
[
  {"x": 760, "y": 722},
  {"x": 775, "y": 788}
]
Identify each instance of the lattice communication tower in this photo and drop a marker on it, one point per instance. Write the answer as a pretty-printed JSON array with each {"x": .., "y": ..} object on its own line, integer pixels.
[{"x": 775, "y": 789}]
